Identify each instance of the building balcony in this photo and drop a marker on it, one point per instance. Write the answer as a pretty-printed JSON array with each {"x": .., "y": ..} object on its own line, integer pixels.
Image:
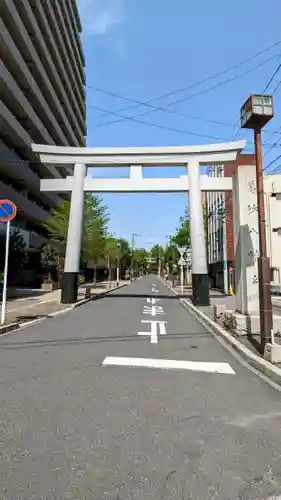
[
  {"x": 38, "y": 34},
  {"x": 26, "y": 46},
  {"x": 18, "y": 170},
  {"x": 26, "y": 208}
]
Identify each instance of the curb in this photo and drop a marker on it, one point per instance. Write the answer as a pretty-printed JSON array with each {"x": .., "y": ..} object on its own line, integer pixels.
[
  {"x": 169, "y": 287},
  {"x": 82, "y": 302},
  {"x": 10, "y": 327},
  {"x": 259, "y": 364}
]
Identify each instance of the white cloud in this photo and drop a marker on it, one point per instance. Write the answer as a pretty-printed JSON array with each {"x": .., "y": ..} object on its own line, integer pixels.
[{"x": 99, "y": 16}]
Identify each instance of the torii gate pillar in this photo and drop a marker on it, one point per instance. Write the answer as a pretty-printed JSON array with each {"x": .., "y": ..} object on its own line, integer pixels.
[
  {"x": 200, "y": 280},
  {"x": 70, "y": 279}
]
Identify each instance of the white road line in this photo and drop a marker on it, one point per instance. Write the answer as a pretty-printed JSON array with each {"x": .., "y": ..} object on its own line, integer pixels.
[
  {"x": 152, "y": 300},
  {"x": 169, "y": 364},
  {"x": 153, "y": 310},
  {"x": 153, "y": 330}
]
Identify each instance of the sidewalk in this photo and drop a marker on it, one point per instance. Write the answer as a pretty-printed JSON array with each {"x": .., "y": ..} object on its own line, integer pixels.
[
  {"x": 45, "y": 303},
  {"x": 217, "y": 298}
]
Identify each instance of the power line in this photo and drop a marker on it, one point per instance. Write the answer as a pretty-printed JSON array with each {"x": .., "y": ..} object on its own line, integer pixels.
[
  {"x": 191, "y": 96},
  {"x": 157, "y": 108},
  {"x": 179, "y": 113},
  {"x": 274, "y": 172},
  {"x": 271, "y": 163},
  {"x": 164, "y": 127},
  {"x": 158, "y": 125},
  {"x": 199, "y": 82},
  {"x": 276, "y": 143},
  {"x": 272, "y": 78},
  {"x": 277, "y": 86},
  {"x": 124, "y": 118}
]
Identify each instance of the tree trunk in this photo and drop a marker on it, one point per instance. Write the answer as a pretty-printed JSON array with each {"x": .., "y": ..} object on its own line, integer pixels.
[{"x": 109, "y": 268}]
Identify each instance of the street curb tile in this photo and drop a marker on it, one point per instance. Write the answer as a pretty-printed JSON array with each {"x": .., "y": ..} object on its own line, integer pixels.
[
  {"x": 8, "y": 328},
  {"x": 263, "y": 366}
]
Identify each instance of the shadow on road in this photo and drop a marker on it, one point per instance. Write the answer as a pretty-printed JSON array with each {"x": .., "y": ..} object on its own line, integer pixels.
[
  {"x": 255, "y": 341},
  {"x": 99, "y": 340},
  {"x": 131, "y": 295}
]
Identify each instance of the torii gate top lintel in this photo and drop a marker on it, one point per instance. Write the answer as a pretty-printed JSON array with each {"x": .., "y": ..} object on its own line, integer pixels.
[{"x": 149, "y": 156}]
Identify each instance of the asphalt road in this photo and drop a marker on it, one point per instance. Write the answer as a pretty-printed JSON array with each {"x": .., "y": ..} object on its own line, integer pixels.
[{"x": 72, "y": 428}]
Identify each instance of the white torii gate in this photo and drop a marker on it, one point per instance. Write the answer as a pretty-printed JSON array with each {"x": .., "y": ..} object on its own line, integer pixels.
[{"x": 190, "y": 156}]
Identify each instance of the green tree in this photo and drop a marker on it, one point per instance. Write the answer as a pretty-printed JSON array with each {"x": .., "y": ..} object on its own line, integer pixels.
[
  {"x": 125, "y": 255},
  {"x": 182, "y": 235},
  {"x": 96, "y": 218},
  {"x": 49, "y": 260},
  {"x": 17, "y": 255},
  {"x": 170, "y": 257},
  {"x": 157, "y": 253},
  {"x": 111, "y": 253},
  {"x": 141, "y": 257}
]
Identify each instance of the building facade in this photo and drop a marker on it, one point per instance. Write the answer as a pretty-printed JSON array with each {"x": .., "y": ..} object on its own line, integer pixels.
[
  {"x": 272, "y": 185},
  {"x": 42, "y": 82},
  {"x": 219, "y": 215}
]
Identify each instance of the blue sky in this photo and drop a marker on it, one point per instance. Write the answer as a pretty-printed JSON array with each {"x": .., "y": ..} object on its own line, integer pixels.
[{"x": 141, "y": 49}]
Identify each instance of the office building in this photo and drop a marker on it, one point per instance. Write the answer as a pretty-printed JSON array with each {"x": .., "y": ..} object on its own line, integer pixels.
[{"x": 42, "y": 100}]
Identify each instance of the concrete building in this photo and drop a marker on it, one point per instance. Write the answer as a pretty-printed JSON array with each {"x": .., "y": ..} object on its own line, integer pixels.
[
  {"x": 42, "y": 92},
  {"x": 219, "y": 210},
  {"x": 273, "y": 219}
]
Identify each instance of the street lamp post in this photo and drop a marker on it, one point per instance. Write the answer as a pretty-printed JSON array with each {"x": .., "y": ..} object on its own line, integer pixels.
[{"x": 255, "y": 113}]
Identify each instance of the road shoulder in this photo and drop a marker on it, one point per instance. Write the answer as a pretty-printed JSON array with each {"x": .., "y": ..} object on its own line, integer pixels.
[
  {"x": 270, "y": 371},
  {"x": 49, "y": 307}
]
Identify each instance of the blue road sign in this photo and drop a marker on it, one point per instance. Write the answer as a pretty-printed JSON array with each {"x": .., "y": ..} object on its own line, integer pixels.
[{"x": 8, "y": 210}]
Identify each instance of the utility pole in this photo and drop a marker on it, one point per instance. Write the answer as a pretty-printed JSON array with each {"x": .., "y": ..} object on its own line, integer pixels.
[{"x": 255, "y": 113}]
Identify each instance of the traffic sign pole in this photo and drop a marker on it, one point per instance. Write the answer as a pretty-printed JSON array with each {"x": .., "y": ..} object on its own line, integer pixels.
[
  {"x": 8, "y": 212},
  {"x": 4, "y": 295}
]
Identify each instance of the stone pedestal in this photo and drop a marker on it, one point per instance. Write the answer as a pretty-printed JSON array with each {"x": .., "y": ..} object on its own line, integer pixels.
[
  {"x": 247, "y": 324},
  {"x": 245, "y": 319},
  {"x": 246, "y": 240}
]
